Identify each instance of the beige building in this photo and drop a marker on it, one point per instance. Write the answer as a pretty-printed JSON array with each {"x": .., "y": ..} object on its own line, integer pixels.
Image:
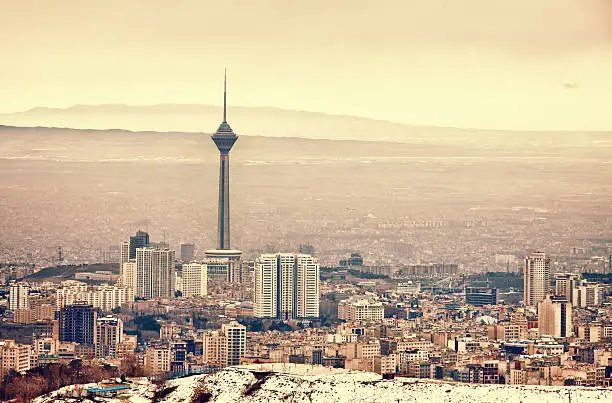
[
  {"x": 565, "y": 285},
  {"x": 125, "y": 252},
  {"x": 385, "y": 364},
  {"x": 14, "y": 356},
  {"x": 588, "y": 296},
  {"x": 105, "y": 297},
  {"x": 266, "y": 287},
  {"x": 128, "y": 275},
  {"x": 212, "y": 347},
  {"x": 555, "y": 317},
  {"x": 233, "y": 345},
  {"x": 361, "y": 309},
  {"x": 157, "y": 360},
  {"x": 109, "y": 334}
]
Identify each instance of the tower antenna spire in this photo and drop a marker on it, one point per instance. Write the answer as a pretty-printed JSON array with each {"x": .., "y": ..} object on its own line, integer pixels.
[{"x": 225, "y": 96}]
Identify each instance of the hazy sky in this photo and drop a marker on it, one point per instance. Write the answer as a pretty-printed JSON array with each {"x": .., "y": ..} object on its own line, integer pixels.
[{"x": 535, "y": 64}]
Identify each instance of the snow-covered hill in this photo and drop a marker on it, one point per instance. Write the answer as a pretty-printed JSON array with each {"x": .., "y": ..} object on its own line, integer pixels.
[{"x": 303, "y": 383}]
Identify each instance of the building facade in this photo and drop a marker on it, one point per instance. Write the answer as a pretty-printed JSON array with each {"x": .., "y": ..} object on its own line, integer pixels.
[
  {"x": 479, "y": 296},
  {"x": 555, "y": 317},
  {"x": 194, "y": 279},
  {"x": 154, "y": 273},
  {"x": 287, "y": 286},
  {"x": 18, "y": 296},
  {"x": 77, "y": 323},
  {"x": 234, "y": 343},
  {"x": 536, "y": 279},
  {"x": 109, "y": 334}
]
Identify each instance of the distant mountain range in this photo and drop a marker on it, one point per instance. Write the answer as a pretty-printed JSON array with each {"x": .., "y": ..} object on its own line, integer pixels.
[{"x": 264, "y": 121}]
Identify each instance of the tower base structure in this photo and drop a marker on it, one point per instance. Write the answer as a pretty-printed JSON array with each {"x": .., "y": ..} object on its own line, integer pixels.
[{"x": 233, "y": 258}]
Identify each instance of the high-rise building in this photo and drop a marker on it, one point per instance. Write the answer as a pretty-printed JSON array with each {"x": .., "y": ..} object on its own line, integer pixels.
[
  {"x": 140, "y": 240},
  {"x": 144, "y": 272},
  {"x": 194, "y": 279},
  {"x": 163, "y": 269},
  {"x": 234, "y": 343},
  {"x": 187, "y": 252},
  {"x": 109, "y": 333},
  {"x": 536, "y": 279},
  {"x": 154, "y": 273},
  {"x": 266, "y": 287},
  {"x": 307, "y": 287},
  {"x": 18, "y": 296},
  {"x": 77, "y": 323},
  {"x": 286, "y": 269},
  {"x": 565, "y": 285},
  {"x": 286, "y": 286},
  {"x": 128, "y": 275},
  {"x": 555, "y": 317},
  {"x": 124, "y": 252}
]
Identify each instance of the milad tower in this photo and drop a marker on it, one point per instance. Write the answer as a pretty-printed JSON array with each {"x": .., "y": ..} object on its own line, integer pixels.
[{"x": 224, "y": 138}]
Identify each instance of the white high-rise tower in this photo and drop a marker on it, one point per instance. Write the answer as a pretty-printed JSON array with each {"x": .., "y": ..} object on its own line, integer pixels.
[
  {"x": 536, "y": 278},
  {"x": 286, "y": 286},
  {"x": 154, "y": 273},
  {"x": 18, "y": 296}
]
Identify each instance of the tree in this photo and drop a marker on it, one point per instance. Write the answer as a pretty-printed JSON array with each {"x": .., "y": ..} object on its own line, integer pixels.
[
  {"x": 27, "y": 387},
  {"x": 130, "y": 368}
]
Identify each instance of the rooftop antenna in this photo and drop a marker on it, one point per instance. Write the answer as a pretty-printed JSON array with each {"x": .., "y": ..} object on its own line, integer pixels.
[{"x": 225, "y": 96}]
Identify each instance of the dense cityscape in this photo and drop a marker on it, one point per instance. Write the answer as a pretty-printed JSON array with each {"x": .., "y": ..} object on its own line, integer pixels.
[
  {"x": 412, "y": 203},
  {"x": 147, "y": 310}
]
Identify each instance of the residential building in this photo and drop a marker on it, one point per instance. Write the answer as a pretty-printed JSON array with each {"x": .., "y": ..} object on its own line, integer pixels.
[
  {"x": 565, "y": 285},
  {"x": 128, "y": 275},
  {"x": 124, "y": 253},
  {"x": 588, "y": 296},
  {"x": 14, "y": 356},
  {"x": 266, "y": 287},
  {"x": 154, "y": 273},
  {"x": 361, "y": 308},
  {"x": 286, "y": 286},
  {"x": 77, "y": 323},
  {"x": 109, "y": 333},
  {"x": 18, "y": 296},
  {"x": 194, "y": 279},
  {"x": 157, "y": 360},
  {"x": 105, "y": 297},
  {"x": 234, "y": 343}
]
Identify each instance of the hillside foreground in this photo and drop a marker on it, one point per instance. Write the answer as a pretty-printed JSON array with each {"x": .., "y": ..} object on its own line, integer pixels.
[{"x": 305, "y": 383}]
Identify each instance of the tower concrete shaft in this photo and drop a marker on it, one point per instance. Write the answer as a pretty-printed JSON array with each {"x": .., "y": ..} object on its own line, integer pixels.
[
  {"x": 224, "y": 208},
  {"x": 224, "y": 139}
]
